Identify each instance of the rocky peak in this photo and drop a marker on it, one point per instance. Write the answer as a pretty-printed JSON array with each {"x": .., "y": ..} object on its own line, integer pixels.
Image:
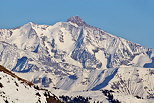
[{"x": 77, "y": 20}]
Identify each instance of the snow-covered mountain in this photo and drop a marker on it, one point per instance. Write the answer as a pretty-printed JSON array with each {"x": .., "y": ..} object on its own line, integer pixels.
[{"x": 76, "y": 57}]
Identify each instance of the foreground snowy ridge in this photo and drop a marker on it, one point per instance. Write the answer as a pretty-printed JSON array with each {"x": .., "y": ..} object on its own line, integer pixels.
[
  {"x": 73, "y": 58},
  {"x": 14, "y": 89}
]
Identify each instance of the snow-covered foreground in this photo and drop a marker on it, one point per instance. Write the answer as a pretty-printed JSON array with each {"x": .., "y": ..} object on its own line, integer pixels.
[
  {"x": 14, "y": 90},
  {"x": 73, "y": 58}
]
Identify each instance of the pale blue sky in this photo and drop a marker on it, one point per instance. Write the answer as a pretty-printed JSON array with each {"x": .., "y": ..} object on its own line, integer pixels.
[{"x": 130, "y": 19}]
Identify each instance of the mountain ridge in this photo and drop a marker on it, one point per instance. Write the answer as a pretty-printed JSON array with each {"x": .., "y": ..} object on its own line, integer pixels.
[{"x": 73, "y": 56}]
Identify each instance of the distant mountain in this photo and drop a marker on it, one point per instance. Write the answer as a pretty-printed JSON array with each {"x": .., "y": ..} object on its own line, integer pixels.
[{"x": 76, "y": 57}]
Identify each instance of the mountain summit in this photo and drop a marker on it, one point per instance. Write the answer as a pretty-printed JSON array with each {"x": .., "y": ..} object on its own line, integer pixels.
[{"x": 77, "y": 20}]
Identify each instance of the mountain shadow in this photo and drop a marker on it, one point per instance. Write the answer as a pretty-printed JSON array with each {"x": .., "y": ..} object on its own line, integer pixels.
[{"x": 149, "y": 65}]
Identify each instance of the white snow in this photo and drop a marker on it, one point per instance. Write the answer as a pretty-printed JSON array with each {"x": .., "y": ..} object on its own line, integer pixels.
[
  {"x": 15, "y": 91},
  {"x": 50, "y": 51}
]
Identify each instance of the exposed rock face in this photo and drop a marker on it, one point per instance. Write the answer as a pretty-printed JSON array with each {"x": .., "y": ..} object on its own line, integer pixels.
[{"x": 77, "y": 20}]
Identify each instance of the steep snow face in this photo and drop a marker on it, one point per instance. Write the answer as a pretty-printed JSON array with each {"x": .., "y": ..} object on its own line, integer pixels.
[{"x": 24, "y": 37}]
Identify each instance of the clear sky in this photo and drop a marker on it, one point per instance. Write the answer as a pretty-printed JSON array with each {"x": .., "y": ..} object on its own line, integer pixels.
[{"x": 130, "y": 19}]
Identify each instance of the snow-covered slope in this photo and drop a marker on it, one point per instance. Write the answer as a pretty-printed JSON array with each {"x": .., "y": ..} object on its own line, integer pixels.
[
  {"x": 14, "y": 89},
  {"x": 72, "y": 56},
  {"x": 130, "y": 82}
]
